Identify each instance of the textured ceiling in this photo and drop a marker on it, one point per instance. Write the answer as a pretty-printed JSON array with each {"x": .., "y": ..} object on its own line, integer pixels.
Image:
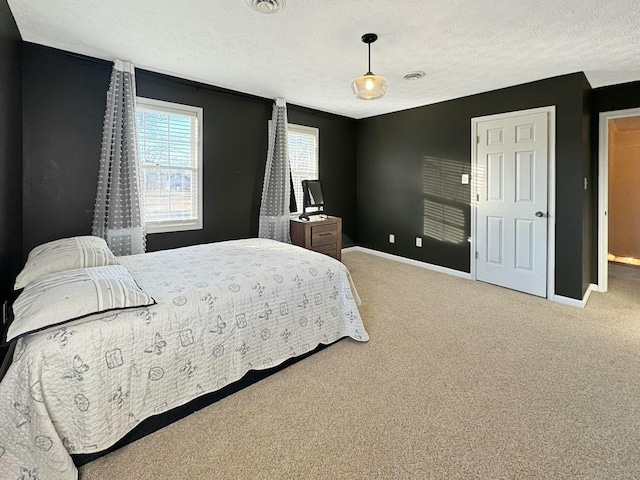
[{"x": 310, "y": 51}]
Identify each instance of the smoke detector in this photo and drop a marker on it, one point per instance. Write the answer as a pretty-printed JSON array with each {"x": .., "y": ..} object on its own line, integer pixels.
[
  {"x": 417, "y": 75},
  {"x": 266, "y": 6}
]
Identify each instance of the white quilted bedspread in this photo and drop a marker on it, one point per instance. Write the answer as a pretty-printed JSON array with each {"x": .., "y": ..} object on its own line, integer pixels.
[{"x": 223, "y": 309}]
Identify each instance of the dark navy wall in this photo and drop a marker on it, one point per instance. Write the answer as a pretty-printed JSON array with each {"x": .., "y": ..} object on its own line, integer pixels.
[
  {"x": 616, "y": 97},
  {"x": 395, "y": 176},
  {"x": 10, "y": 150},
  {"x": 385, "y": 157},
  {"x": 606, "y": 99},
  {"x": 589, "y": 223},
  {"x": 63, "y": 111},
  {"x": 65, "y": 98},
  {"x": 338, "y": 162}
]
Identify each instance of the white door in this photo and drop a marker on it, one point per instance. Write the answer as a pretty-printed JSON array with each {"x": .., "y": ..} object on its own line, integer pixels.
[{"x": 512, "y": 159}]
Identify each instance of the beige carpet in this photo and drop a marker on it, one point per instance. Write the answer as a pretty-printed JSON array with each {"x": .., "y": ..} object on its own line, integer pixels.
[{"x": 459, "y": 380}]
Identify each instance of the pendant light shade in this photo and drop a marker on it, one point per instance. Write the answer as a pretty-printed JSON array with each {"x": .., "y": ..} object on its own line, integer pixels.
[{"x": 369, "y": 86}]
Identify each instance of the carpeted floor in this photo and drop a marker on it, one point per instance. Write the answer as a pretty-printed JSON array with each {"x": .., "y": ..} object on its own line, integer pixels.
[{"x": 459, "y": 380}]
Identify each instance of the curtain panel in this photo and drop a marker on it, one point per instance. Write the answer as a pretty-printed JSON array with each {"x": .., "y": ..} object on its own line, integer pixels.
[
  {"x": 118, "y": 214},
  {"x": 276, "y": 191}
]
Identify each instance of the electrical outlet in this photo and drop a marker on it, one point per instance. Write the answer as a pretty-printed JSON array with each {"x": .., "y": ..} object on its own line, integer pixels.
[
  {"x": 392, "y": 238},
  {"x": 418, "y": 242}
]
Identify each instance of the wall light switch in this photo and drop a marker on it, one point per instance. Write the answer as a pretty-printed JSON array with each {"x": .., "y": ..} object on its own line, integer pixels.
[
  {"x": 418, "y": 242},
  {"x": 465, "y": 179},
  {"x": 392, "y": 238}
]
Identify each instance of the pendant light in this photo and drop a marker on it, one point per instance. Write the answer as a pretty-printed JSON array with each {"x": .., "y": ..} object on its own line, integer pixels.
[{"x": 369, "y": 86}]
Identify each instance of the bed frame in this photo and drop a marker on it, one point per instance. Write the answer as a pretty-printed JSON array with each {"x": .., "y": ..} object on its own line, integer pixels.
[
  {"x": 156, "y": 422},
  {"x": 6, "y": 350}
]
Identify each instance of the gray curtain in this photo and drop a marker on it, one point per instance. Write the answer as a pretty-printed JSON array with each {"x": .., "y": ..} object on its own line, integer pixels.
[
  {"x": 118, "y": 215},
  {"x": 274, "y": 209}
]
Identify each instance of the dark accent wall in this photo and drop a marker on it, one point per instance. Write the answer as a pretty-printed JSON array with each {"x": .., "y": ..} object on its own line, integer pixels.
[
  {"x": 384, "y": 156},
  {"x": 338, "y": 171},
  {"x": 588, "y": 221},
  {"x": 605, "y": 99},
  {"x": 63, "y": 109},
  {"x": 615, "y": 97},
  {"x": 234, "y": 153},
  {"x": 396, "y": 176},
  {"x": 63, "y": 113},
  {"x": 10, "y": 150}
]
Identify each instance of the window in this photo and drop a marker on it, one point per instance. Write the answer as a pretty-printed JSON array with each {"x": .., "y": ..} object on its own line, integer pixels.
[
  {"x": 303, "y": 157},
  {"x": 170, "y": 159}
]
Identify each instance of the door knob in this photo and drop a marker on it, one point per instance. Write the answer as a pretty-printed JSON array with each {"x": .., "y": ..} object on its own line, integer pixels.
[{"x": 539, "y": 214}]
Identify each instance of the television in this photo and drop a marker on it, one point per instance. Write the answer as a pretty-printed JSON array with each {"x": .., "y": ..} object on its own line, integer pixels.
[{"x": 312, "y": 198}]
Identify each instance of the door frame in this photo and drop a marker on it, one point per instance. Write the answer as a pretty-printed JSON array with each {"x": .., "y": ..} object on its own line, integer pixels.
[
  {"x": 551, "y": 189},
  {"x": 603, "y": 191}
]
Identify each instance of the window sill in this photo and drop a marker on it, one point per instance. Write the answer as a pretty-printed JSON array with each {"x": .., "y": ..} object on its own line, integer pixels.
[{"x": 167, "y": 227}]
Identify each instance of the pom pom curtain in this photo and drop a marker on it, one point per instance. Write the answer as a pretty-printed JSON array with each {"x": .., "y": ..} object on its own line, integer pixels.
[
  {"x": 276, "y": 191},
  {"x": 118, "y": 214}
]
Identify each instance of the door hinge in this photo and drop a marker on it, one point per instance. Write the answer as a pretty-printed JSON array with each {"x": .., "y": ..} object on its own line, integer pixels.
[
  {"x": 476, "y": 255},
  {"x": 477, "y": 138},
  {"x": 477, "y": 197}
]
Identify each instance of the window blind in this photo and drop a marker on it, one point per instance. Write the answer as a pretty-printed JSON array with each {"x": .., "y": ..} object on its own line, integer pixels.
[
  {"x": 303, "y": 157},
  {"x": 170, "y": 162}
]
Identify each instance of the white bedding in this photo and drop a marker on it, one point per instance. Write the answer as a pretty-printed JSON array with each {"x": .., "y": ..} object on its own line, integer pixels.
[{"x": 223, "y": 309}]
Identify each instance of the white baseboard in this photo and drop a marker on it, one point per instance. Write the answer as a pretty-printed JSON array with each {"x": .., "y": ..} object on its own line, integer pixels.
[
  {"x": 572, "y": 301},
  {"x": 457, "y": 273},
  {"x": 410, "y": 261}
]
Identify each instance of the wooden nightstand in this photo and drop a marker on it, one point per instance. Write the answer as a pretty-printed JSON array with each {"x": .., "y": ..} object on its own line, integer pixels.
[{"x": 322, "y": 235}]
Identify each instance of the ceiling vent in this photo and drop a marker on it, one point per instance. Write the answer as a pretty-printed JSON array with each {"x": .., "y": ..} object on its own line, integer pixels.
[
  {"x": 417, "y": 75},
  {"x": 266, "y": 6}
]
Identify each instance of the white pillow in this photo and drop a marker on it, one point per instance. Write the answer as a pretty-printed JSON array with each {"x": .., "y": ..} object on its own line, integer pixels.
[
  {"x": 61, "y": 297},
  {"x": 65, "y": 254}
]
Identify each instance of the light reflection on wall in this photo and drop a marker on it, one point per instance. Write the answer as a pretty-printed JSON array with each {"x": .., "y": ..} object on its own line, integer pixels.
[
  {"x": 443, "y": 222},
  {"x": 445, "y": 199},
  {"x": 626, "y": 260},
  {"x": 441, "y": 178}
]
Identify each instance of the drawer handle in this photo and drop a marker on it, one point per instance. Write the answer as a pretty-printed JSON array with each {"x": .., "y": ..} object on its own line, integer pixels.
[{"x": 326, "y": 233}]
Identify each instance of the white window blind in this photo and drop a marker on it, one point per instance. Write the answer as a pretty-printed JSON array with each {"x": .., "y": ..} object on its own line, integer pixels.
[
  {"x": 303, "y": 157},
  {"x": 170, "y": 158}
]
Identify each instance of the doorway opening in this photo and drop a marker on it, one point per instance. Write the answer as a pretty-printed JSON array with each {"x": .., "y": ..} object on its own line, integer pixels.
[{"x": 619, "y": 193}]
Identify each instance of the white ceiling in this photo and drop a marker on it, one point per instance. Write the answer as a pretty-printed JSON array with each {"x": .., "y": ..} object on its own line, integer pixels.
[{"x": 310, "y": 51}]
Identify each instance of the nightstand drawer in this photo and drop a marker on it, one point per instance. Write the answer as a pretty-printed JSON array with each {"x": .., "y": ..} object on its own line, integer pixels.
[
  {"x": 331, "y": 250},
  {"x": 324, "y": 235}
]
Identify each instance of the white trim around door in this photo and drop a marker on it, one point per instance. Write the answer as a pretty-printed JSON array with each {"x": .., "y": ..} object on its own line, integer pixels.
[
  {"x": 551, "y": 189},
  {"x": 603, "y": 191}
]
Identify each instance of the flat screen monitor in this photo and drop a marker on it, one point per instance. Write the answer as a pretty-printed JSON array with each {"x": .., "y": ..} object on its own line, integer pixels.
[{"x": 312, "y": 197}]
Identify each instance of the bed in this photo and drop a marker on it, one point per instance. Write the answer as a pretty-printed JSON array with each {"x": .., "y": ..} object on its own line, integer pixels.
[{"x": 209, "y": 314}]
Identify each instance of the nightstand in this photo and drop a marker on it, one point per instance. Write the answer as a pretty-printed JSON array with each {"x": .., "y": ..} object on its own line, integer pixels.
[{"x": 322, "y": 235}]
